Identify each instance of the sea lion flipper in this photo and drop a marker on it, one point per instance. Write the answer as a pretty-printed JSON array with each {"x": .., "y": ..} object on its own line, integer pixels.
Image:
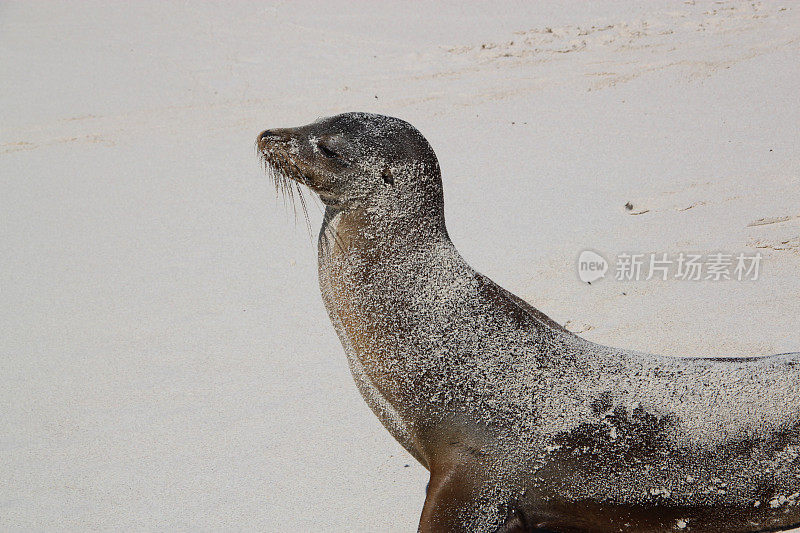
[
  {"x": 449, "y": 493},
  {"x": 453, "y": 504}
]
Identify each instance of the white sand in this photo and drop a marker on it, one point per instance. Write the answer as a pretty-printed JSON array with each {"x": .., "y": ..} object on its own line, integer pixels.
[{"x": 165, "y": 358}]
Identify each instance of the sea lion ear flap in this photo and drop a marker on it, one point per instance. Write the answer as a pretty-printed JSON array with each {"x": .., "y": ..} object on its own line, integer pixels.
[{"x": 387, "y": 176}]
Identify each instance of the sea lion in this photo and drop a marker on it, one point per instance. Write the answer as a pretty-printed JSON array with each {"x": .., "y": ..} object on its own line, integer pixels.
[{"x": 523, "y": 425}]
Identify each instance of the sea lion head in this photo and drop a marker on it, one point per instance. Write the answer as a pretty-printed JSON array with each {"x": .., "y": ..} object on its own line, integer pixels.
[{"x": 379, "y": 163}]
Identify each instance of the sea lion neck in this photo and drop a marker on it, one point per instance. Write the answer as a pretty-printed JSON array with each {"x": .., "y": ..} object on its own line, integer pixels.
[{"x": 363, "y": 228}]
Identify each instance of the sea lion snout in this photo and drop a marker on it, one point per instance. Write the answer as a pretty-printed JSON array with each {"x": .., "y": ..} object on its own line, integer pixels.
[
  {"x": 271, "y": 136},
  {"x": 301, "y": 156}
]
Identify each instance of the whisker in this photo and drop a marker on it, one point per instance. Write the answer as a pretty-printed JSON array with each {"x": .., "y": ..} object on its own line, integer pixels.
[
  {"x": 287, "y": 178},
  {"x": 304, "y": 207}
]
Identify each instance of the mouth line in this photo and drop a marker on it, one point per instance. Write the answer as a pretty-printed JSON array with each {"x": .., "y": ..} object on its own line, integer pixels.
[
  {"x": 283, "y": 170},
  {"x": 282, "y": 164}
]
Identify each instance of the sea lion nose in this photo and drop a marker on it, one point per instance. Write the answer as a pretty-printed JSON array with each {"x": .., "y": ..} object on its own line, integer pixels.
[
  {"x": 266, "y": 134},
  {"x": 269, "y": 136}
]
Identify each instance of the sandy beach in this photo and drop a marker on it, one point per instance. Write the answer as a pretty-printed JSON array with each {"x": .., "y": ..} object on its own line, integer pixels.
[{"x": 166, "y": 362}]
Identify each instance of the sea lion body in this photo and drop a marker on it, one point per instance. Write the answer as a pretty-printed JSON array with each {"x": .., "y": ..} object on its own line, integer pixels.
[{"x": 523, "y": 424}]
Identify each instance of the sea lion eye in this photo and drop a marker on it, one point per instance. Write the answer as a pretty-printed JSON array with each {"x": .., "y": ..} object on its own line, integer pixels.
[{"x": 326, "y": 151}]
